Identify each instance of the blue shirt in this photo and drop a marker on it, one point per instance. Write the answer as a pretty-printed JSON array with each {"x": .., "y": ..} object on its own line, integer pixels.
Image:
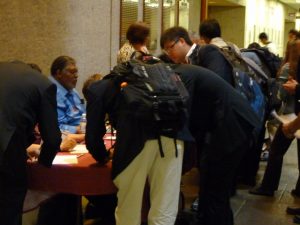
[{"x": 69, "y": 107}]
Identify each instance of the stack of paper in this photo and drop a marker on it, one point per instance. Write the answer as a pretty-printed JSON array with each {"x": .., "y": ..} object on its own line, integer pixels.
[
  {"x": 287, "y": 118},
  {"x": 79, "y": 149},
  {"x": 65, "y": 159}
]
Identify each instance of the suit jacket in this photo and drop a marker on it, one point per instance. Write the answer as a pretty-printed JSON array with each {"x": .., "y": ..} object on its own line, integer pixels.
[
  {"x": 219, "y": 115},
  {"x": 210, "y": 57},
  {"x": 27, "y": 98}
]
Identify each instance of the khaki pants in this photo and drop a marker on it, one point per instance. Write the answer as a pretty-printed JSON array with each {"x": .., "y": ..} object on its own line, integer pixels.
[{"x": 163, "y": 175}]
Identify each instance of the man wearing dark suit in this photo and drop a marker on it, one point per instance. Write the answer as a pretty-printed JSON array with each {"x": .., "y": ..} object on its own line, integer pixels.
[
  {"x": 179, "y": 47},
  {"x": 222, "y": 123},
  {"x": 26, "y": 98},
  {"x": 177, "y": 44}
]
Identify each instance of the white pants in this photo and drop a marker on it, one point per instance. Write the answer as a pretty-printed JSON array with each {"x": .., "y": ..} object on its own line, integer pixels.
[{"x": 163, "y": 175}]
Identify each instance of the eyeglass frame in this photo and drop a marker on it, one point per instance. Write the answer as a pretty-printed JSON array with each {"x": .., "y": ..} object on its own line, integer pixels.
[
  {"x": 73, "y": 72},
  {"x": 167, "y": 51}
]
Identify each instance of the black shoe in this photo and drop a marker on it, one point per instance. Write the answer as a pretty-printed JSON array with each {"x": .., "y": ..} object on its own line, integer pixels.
[
  {"x": 297, "y": 219},
  {"x": 293, "y": 211},
  {"x": 260, "y": 191},
  {"x": 295, "y": 193}
]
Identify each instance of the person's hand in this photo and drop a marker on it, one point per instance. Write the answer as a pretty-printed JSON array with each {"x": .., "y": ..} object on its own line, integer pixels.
[
  {"x": 33, "y": 153},
  {"x": 290, "y": 86},
  {"x": 67, "y": 144},
  {"x": 288, "y": 131}
]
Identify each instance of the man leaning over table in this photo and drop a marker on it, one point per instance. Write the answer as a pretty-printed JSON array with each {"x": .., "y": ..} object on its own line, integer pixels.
[
  {"x": 136, "y": 157},
  {"x": 26, "y": 98}
]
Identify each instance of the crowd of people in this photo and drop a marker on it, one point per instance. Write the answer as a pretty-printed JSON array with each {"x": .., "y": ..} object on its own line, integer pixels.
[{"x": 43, "y": 117}]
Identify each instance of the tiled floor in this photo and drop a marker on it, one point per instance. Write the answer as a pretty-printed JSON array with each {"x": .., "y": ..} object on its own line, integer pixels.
[
  {"x": 258, "y": 210},
  {"x": 248, "y": 209}
]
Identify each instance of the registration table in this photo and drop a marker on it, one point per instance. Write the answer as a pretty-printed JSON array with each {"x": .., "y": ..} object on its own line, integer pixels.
[
  {"x": 74, "y": 172},
  {"x": 84, "y": 177},
  {"x": 87, "y": 177}
]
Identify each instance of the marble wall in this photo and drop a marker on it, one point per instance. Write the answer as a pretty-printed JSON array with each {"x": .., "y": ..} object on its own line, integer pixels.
[{"x": 40, "y": 30}]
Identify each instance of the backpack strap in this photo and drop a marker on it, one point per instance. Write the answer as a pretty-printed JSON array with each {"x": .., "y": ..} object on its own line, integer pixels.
[
  {"x": 176, "y": 149},
  {"x": 160, "y": 147}
]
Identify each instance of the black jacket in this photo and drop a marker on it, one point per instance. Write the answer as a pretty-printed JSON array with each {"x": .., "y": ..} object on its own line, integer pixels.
[
  {"x": 214, "y": 107},
  {"x": 210, "y": 57},
  {"x": 217, "y": 109},
  {"x": 102, "y": 99},
  {"x": 27, "y": 98}
]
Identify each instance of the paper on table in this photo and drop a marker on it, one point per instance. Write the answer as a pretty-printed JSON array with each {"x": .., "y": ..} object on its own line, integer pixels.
[
  {"x": 286, "y": 119},
  {"x": 79, "y": 149},
  {"x": 65, "y": 159}
]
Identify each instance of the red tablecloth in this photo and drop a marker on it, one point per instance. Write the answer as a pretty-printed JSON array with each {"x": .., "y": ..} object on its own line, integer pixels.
[{"x": 85, "y": 178}]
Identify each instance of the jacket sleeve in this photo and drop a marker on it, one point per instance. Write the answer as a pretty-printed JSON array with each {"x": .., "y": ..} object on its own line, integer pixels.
[
  {"x": 95, "y": 128},
  {"x": 48, "y": 126},
  {"x": 211, "y": 58}
]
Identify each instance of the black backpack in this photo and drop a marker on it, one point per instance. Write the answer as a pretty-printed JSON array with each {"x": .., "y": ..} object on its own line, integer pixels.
[
  {"x": 270, "y": 86},
  {"x": 269, "y": 60},
  {"x": 245, "y": 80},
  {"x": 153, "y": 94}
]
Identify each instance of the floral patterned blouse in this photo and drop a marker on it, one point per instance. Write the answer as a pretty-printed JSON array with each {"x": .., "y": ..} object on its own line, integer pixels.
[{"x": 125, "y": 53}]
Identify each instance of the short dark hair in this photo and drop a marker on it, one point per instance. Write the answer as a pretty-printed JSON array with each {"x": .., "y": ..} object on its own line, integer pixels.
[
  {"x": 210, "y": 28},
  {"x": 137, "y": 33},
  {"x": 60, "y": 63},
  {"x": 293, "y": 31},
  {"x": 92, "y": 79},
  {"x": 174, "y": 33},
  {"x": 254, "y": 45},
  {"x": 263, "y": 35}
]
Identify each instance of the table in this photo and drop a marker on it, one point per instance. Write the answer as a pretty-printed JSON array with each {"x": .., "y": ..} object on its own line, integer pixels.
[{"x": 85, "y": 178}]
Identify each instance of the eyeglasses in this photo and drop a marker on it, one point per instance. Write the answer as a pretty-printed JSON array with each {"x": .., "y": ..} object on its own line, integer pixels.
[
  {"x": 168, "y": 49},
  {"x": 71, "y": 71}
]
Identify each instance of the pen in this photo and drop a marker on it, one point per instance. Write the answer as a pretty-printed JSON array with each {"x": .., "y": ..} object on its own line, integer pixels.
[{"x": 78, "y": 156}]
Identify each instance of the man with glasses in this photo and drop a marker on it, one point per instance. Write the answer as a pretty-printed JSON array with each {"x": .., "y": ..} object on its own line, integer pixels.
[
  {"x": 178, "y": 46},
  {"x": 64, "y": 75}
]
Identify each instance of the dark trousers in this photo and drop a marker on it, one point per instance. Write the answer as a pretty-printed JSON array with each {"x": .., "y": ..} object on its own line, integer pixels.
[
  {"x": 65, "y": 209},
  {"x": 279, "y": 147},
  {"x": 250, "y": 163},
  {"x": 103, "y": 206},
  {"x": 13, "y": 182},
  {"x": 216, "y": 179},
  {"x": 62, "y": 209}
]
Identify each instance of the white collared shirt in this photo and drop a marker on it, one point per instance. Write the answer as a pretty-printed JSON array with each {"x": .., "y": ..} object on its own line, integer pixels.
[{"x": 189, "y": 53}]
